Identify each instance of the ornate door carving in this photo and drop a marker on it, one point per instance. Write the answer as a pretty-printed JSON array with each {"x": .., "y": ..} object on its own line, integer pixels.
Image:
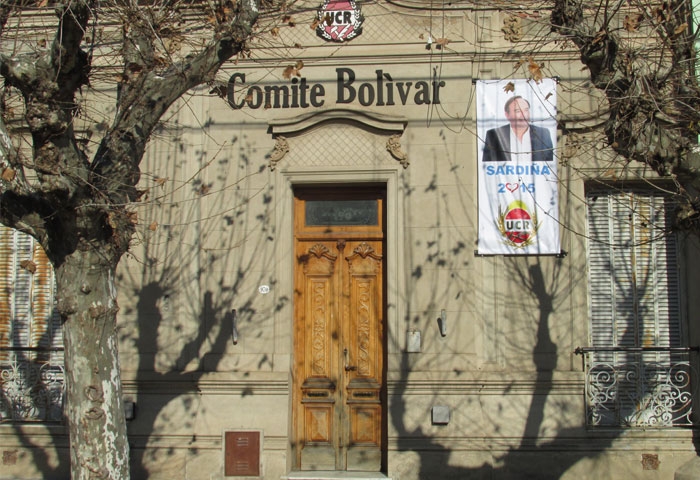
[{"x": 338, "y": 375}]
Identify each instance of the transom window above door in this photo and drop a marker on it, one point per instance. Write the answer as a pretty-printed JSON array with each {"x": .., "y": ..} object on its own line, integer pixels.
[{"x": 337, "y": 208}]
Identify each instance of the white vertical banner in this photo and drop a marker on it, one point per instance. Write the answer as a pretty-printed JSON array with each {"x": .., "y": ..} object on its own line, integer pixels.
[{"x": 517, "y": 167}]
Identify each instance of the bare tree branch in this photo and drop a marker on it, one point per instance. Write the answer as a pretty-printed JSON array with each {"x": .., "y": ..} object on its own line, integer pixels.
[
  {"x": 654, "y": 97},
  {"x": 147, "y": 91},
  {"x": 48, "y": 81}
]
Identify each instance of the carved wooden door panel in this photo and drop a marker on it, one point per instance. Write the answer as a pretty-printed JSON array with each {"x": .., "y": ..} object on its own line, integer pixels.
[{"x": 338, "y": 375}]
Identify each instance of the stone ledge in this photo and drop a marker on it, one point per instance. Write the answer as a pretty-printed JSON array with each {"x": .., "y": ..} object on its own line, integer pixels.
[{"x": 336, "y": 475}]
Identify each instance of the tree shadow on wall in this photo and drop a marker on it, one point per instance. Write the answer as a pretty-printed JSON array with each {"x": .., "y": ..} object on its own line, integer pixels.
[
  {"x": 492, "y": 447},
  {"x": 195, "y": 270},
  {"x": 516, "y": 462}
]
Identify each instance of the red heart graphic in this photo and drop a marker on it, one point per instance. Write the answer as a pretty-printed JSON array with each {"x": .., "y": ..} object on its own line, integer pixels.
[{"x": 511, "y": 187}]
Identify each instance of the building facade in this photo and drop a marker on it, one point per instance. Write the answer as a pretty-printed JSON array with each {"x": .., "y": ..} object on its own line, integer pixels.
[{"x": 308, "y": 291}]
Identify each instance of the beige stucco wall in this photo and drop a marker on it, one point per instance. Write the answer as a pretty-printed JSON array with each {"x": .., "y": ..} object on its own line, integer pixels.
[
  {"x": 510, "y": 415},
  {"x": 217, "y": 225}
]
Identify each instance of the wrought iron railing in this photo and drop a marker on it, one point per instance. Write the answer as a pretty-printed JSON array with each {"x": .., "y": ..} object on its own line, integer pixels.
[
  {"x": 639, "y": 386},
  {"x": 31, "y": 384}
]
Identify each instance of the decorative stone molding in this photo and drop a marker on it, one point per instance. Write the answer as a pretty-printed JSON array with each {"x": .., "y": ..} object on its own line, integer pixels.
[
  {"x": 572, "y": 145},
  {"x": 279, "y": 151},
  {"x": 393, "y": 145},
  {"x": 369, "y": 139},
  {"x": 512, "y": 28}
]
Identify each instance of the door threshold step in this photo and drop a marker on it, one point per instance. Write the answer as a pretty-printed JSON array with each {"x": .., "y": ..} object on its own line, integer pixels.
[{"x": 334, "y": 475}]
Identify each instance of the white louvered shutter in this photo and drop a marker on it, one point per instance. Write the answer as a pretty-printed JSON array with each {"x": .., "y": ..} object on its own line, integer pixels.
[
  {"x": 22, "y": 291},
  {"x": 46, "y": 328},
  {"x": 6, "y": 288},
  {"x": 633, "y": 272},
  {"x": 634, "y": 288},
  {"x": 28, "y": 318},
  {"x": 31, "y": 354}
]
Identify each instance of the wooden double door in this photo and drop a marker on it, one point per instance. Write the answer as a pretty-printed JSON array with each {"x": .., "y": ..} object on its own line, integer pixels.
[{"x": 338, "y": 409}]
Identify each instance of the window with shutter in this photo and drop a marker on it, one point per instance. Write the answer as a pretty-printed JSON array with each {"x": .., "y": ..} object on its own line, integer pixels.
[
  {"x": 31, "y": 345},
  {"x": 637, "y": 367}
]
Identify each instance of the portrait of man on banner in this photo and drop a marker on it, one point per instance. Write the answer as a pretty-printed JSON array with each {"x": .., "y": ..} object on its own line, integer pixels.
[
  {"x": 518, "y": 137},
  {"x": 517, "y": 168}
]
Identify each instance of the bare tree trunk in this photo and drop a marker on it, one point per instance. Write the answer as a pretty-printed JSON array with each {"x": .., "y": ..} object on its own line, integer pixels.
[
  {"x": 93, "y": 402},
  {"x": 80, "y": 208}
]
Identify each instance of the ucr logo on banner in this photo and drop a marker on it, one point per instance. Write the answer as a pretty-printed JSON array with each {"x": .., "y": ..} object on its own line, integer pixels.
[
  {"x": 339, "y": 20},
  {"x": 517, "y": 225}
]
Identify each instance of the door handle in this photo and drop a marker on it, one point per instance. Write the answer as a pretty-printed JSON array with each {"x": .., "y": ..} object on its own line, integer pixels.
[{"x": 348, "y": 368}]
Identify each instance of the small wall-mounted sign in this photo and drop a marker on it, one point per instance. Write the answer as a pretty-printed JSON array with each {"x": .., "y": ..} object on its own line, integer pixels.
[
  {"x": 440, "y": 414},
  {"x": 339, "y": 20},
  {"x": 242, "y": 454},
  {"x": 413, "y": 341}
]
